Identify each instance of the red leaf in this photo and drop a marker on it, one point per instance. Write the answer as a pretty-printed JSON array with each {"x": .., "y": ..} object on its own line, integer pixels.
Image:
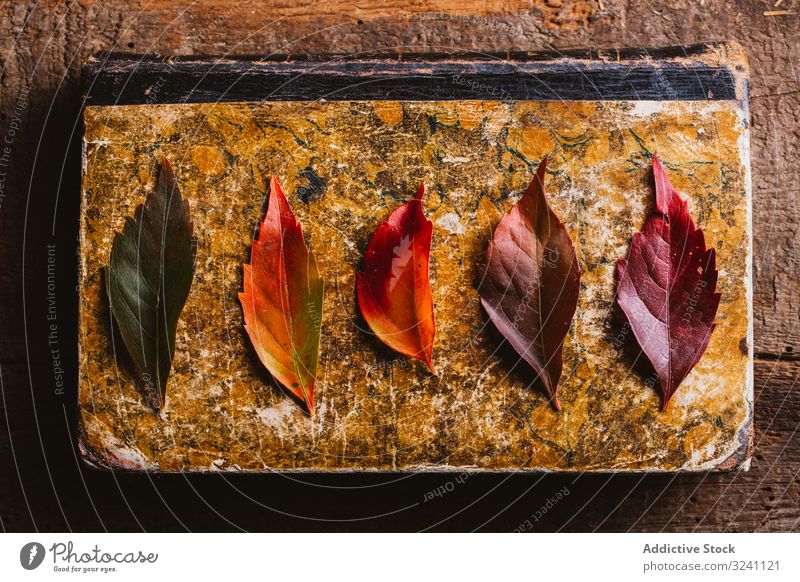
[
  {"x": 667, "y": 287},
  {"x": 282, "y": 299},
  {"x": 530, "y": 290},
  {"x": 394, "y": 292}
]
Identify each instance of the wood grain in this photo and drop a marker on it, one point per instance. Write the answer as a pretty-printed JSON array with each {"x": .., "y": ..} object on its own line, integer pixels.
[
  {"x": 43, "y": 45},
  {"x": 698, "y": 72}
]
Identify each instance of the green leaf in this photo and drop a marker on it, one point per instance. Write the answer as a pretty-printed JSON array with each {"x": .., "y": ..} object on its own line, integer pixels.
[{"x": 148, "y": 280}]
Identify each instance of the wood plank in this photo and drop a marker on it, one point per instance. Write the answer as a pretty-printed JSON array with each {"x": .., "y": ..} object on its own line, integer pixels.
[
  {"x": 697, "y": 72},
  {"x": 776, "y": 196}
]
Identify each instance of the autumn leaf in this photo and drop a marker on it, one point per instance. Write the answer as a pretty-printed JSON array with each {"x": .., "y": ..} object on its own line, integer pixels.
[
  {"x": 148, "y": 280},
  {"x": 394, "y": 291},
  {"x": 667, "y": 287},
  {"x": 282, "y": 299},
  {"x": 530, "y": 288}
]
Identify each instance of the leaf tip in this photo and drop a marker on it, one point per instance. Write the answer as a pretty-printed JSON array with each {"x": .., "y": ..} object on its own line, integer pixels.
[
  {"x": 541, "y": 172},
  {"x": 166, "y": 173},
  {"x": 420, "y": 192},
  {"x": 275, "y": 188},
  {"x": 534, "y": 193},
  {"x": 664, "y": 189},
  {"x": 310, "y": 401},
  {"x": 428, "y": 359}
]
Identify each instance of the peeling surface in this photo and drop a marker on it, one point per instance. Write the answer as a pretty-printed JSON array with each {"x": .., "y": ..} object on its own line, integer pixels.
[{"x": 345, "y": 166}]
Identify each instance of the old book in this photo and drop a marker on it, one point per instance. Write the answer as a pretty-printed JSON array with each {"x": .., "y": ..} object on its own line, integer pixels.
[{"x": 349, "y": 138}]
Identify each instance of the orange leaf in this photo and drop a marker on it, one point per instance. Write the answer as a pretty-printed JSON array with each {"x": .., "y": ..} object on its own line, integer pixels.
[
  {"x": 282, "y": 299},
  {"x": 394, "y": 291}
]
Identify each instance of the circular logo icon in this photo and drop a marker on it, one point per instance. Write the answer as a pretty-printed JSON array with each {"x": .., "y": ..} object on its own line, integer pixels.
[{"x": 31, "y": 555}]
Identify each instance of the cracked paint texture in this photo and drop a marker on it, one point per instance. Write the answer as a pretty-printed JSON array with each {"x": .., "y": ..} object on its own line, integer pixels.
[{"x": 345, "y": 166}]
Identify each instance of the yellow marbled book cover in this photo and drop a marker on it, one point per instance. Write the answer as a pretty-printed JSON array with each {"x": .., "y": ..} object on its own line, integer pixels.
[{"x": 345, "y": 166}]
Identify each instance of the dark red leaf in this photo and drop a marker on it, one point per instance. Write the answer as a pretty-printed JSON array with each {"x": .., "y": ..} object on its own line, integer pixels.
[
  {"x": 530, "y": 290},
  {"x": 667, "y": 287}
]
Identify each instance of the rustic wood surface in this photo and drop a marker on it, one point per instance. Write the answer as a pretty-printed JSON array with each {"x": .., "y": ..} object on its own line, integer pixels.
[{"x": 43, "y": 485}]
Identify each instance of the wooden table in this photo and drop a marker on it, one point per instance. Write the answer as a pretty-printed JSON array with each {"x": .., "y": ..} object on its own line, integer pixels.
[{"x": 44, "y": 486}]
